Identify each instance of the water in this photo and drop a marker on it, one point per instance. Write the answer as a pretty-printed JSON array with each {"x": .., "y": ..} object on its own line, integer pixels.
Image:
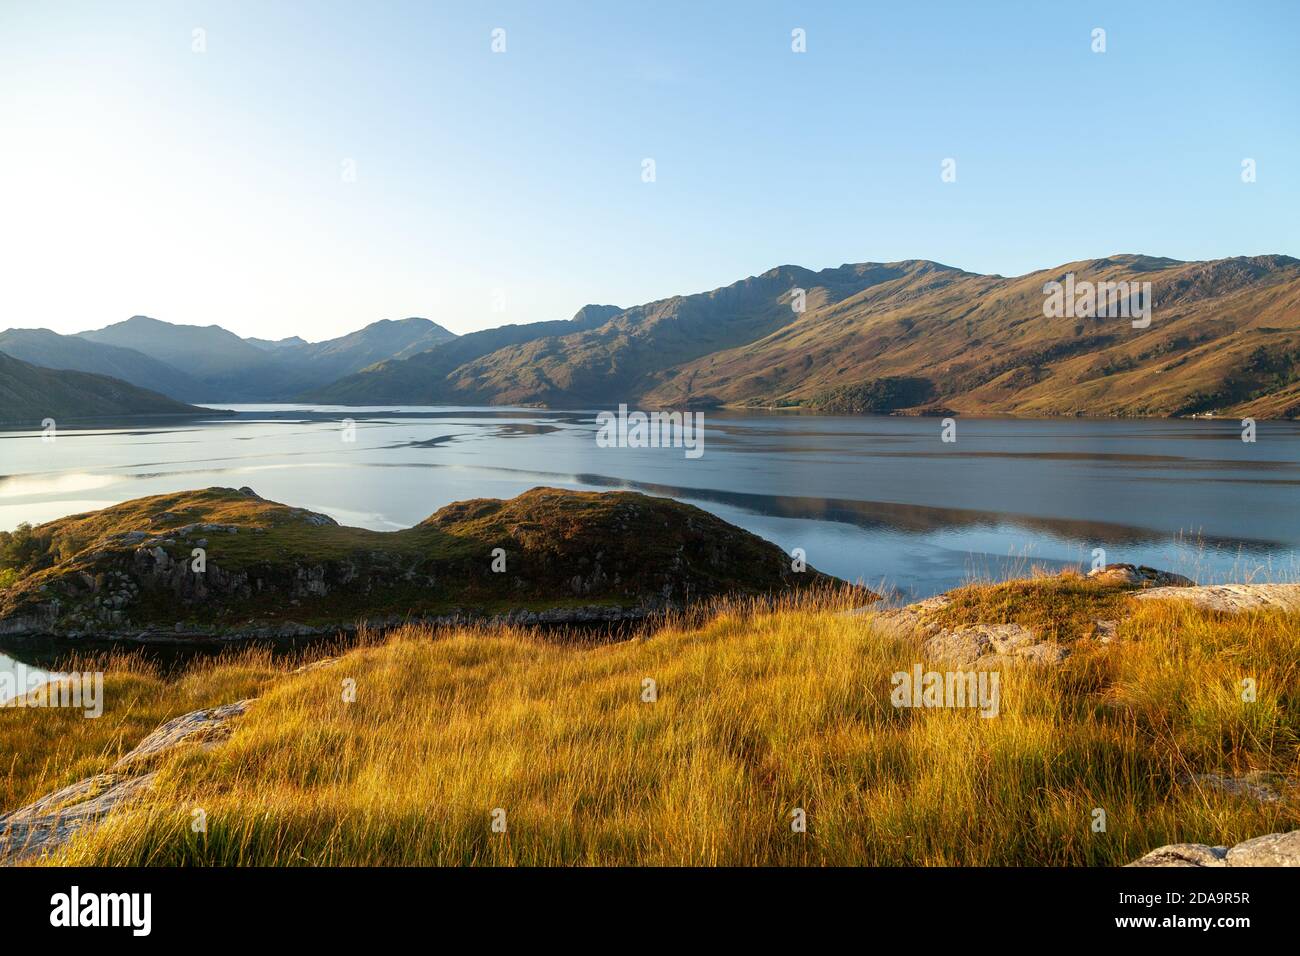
[{"x": 874, "y": 499}]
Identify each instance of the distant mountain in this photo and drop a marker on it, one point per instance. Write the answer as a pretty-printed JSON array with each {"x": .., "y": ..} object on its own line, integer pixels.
[
  {"x": 29, "y": 394},
  {"x": 217, "y": 365},
  {"x": 326, "y": 361},
  {"x": 422, "y": 378},
  {"x": 270, "y": 345},
  {"x": 911, "y": 337},
  {"x": 51, "y": 350},
  {"x": 229, "y": 368}
]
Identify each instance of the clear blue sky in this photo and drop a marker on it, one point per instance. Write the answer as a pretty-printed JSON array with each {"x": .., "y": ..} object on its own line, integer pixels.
[{"x": 137, "y": 176}]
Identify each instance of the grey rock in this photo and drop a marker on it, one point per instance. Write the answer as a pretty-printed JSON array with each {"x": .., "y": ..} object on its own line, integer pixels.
[
  {"x": 1231, "y": 598},
  {"x": 1137, "y": 575},
  {"x": 1274, "y": 849},
  {"x": 41, "y": 827},
  {"x": 992, "y": 644},
  {"x": 204, "y": 727},
  {"x": 1105, "y": 631},
  {"x": 1184, "y": 854}
]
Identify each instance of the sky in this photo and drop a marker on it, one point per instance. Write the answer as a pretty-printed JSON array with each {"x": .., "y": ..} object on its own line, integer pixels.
[{"x": 301, "y": 168}]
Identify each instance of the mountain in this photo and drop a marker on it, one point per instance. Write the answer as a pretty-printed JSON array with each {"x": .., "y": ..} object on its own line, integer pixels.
[
  {"x": 326, "y": 361},
  {"x": 224, "y": 367},
  {"x": 29, "y": 394},
  {"x": 51, "y": 350},
  {"x": 1224, "y": 337},
  {"x": 913, "y": 336},
  {"x": 229, "y": 368},
  {"x": 270, "y": 345},
  {"x": 422, "y": 378}
]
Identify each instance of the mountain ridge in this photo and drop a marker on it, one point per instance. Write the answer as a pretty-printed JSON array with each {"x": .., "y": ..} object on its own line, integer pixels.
[
  {"x": 913, "y": 336},
  {"x": 30, "y": 394},
  {"x": 1225, "y": 339},
  {"x": 211, "y": 364}
]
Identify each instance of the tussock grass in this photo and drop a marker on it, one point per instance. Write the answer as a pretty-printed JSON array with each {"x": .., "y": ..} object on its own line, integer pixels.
[
  {"x": 45, "y": 748},
  {"x": 1060, "y": 607},
  {"x": 759, "y": 711}
]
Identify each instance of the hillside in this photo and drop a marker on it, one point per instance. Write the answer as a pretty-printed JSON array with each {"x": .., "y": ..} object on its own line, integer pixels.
[
  {"x": 273, "y": 569},
  {"x": 51, "y": 350},
  {"x": 916, "y": 335},
  {"x": 30, "y": 394},
  {"x": 424, "y": 378},
  {"x": 1224, "y": 337}
]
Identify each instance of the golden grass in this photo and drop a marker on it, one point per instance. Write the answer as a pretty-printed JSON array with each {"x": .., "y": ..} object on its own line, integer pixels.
[
  {"x": 43, "y": 749},
  {"x": 759, "y": 712}
]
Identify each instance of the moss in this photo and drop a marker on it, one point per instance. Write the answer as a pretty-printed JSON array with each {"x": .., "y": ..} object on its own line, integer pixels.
[{"x": 1060, "y": 608}]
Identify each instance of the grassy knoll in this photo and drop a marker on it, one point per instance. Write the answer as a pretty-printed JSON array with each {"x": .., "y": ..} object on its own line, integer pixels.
[{"x": 131, "y": 568}]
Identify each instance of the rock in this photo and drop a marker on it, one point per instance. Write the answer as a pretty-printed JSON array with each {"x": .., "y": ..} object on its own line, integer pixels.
[
  {"x": 1044, "y": 652},
  {"x": 913, "y": 617},
  {"x": 204, "y": 727},
  {"x": 1137, "y": 575},
  {"x": 993, "y": 644},
  {"x": 1184, "y": 854},
  {"x": 89, "y": 798},
  {"x": 1275, "y": 849},
  {"x": 1231, "y": 598},
  {"x": 49, "y": 822},
  {"x": 1103, "y": 632},
  {"x": 316, "y": 665},
  {"x": 958, "y": 645},
  {"x": 43, "y": 826}
]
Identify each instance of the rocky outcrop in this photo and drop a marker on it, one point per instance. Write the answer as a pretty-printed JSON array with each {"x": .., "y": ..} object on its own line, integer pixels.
[
  {"x": 205, "y": 728},
  {"x": 41, "y": 827},
  {"x": 985, "y": 642},
  {"x": 47, "y": 824},
  {"x": 1275, "y": 849},
  {"x": 1184, "y": 854},
  {"x": 992, "y": 645},
  {"x": 985, "y": 645},
  {"x": 1231, "y": 598},
  {"x": 1137, "y": 576}
]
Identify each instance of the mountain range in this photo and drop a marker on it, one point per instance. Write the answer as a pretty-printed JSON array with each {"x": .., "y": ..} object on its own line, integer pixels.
[
  {"x": 209, "y": 364},
  {"x": 911, "y": 337}
]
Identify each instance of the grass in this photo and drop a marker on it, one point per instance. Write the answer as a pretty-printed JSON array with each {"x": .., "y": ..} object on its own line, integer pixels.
[
  {"x": 45, "y": 749},
  {"x": 1059, "y": 607},
  {"x": 758, "y": 712}
]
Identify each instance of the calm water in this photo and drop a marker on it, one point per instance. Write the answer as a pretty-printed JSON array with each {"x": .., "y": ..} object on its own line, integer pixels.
[{"x": 876, "y": 499}]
